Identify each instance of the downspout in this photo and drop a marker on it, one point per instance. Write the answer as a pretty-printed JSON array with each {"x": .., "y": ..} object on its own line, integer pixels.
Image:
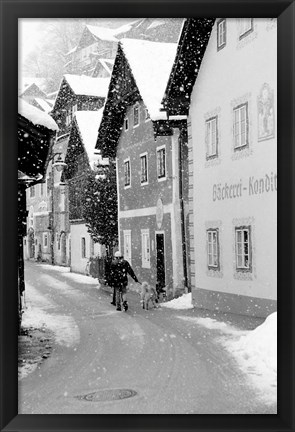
[{"x": 182, "y": 216}]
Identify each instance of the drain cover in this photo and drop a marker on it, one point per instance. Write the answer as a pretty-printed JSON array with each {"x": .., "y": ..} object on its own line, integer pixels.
[{"x": 107, "y": 395}]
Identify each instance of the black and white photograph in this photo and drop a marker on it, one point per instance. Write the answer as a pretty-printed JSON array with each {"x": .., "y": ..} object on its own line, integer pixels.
[{"x": 147, "y": 215}]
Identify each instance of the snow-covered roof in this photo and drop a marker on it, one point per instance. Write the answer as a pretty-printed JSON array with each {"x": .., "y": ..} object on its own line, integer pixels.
[
  {"x": 107, "y": 64},
  {"x": 71, "y": 51},
  {"x": 35, "y": 115},
  {"x": 88, "y": 123},
  {"x": 25, "y": 82},
  {"x": 156, "y": 23},
  {"x": 43, "y": 104},
  {"x": 102, "y": 33},
  {"x": 125, "y": 27},
  {"x": 88, "y": 86},
  {"x": 151, "y": 64}
]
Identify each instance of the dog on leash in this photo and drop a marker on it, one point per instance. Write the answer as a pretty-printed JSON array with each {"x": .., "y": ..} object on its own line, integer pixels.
[{"x": 148, "y": 296}]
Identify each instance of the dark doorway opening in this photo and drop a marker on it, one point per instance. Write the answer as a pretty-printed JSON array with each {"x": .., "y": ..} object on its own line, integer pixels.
[{"x": 160, "y": 249}]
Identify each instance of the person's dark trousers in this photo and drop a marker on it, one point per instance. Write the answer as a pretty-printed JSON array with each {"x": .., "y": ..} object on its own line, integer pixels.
[
  {"x": 114, "y": 296},
  {"x": 118, "y": 298}
]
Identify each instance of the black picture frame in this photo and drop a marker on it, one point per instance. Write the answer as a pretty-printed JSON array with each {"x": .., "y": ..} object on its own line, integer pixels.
[{"x": 10, "y": 12}]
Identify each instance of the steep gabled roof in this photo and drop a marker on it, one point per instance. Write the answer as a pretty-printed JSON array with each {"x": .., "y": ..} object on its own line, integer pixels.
[
  {"x": 125, "y": 28},
  {"x": 141, "y": 71},
  {"x": 191, "y": 49},
  {"x": 150, "y": 64},
  {"x": 43, "y": 104},
  {"x": 102, "y": 33},
  {"x": 35, "y": 115},
  {"x": 88, "y": 123},
  {"x": 87, "y": 86}
]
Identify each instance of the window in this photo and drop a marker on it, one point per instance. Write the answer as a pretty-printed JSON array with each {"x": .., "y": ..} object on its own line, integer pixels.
[
  {"x": 136, "y": 115},
  {"x": 91, "y": 248},
  {"x": 211, "y": 137},
  {"x": 161, "y": 163},
  {"x": 49, "y": 181},
  {"x": 41, "y": 189},
  {"x": 32, "y": 192},
  {"x": 31, "y": 216},
  {"x": 45, "y": 240},
  {"x": 243, "y": 248},
  {"x": 241, "y": 126},
  {"x": 127, "y": 245},
  {"x": 246, "y": 26},
  {"x": 147, "y": 116},
  {"x": 126, "y": 124},
  {"x": 62, "y": 202},
  {"x": 145, "y": 248},
  {"x": 143, "y": 169},
  {"x": 127, "y": 179},
  {"x": 221, "y": 34},
  {"x": 83, "y": 247},
  {"x": 213, "y": 249}
]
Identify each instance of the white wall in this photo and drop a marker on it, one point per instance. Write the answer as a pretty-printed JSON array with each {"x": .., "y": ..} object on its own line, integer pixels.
[
  {"x": 78, "y": 264},
  {"x": 233, "y": 75}
]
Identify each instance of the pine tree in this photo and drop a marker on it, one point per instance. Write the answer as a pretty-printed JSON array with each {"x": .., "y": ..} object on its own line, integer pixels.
[{"x": 99, "y": 204}]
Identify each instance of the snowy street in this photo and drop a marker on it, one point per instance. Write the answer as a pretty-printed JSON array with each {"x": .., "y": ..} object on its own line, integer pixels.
[{"x": 160, "y": 361}]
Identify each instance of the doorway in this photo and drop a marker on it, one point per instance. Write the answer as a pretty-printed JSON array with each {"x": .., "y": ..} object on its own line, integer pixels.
[
  {"x": 63, "y": 242},
  {"x": 160, "y": 250}
]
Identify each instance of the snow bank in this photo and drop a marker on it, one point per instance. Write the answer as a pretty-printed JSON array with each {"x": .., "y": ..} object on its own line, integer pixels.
[
  {"x": 255, "y": 351},
  {"x": 35, "y": 115},
  {"x": 183, "y": 302}
]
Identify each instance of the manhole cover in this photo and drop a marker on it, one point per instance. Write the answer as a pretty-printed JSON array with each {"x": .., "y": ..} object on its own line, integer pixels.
[{"x": 107, "y": 395}]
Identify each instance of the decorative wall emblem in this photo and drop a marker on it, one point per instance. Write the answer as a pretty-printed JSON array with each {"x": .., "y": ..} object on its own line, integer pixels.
[
  {"x": 159, "y": 213},
  {"x": 266, "y": 122}
]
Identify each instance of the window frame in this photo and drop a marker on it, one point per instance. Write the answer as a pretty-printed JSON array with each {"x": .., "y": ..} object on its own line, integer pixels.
[
  {"x": 210, "y": 251},
  {"x": 126, "y": 119},
  {"x": 242, "y": 32},
  {"x": 146, "y": 181},
  {"x": 127, "y": 185},
  {"x": 159, "y": 164},
  {"x": 136, "y": 107},
  {"x": 32, "y": 191},
  {"x": 127, "y": 246},
  {"x": 45, "y": 242},
  {"x": 83, "y": 247},
  {"x": 240, "y": 132},
  {"x": 209, "y": 146},
  {"x": 145, "y": 248},
  {"x": 221, "y": 45},
  {"x": 147, "y": 115},
  {"x": 243, "y": 268}
]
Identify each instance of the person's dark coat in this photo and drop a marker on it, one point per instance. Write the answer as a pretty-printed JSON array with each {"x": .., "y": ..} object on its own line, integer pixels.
[{"x": 119, "y": 273}]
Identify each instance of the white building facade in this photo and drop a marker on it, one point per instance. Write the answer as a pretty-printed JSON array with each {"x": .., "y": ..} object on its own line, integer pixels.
[{"x": 233, "y": 169}]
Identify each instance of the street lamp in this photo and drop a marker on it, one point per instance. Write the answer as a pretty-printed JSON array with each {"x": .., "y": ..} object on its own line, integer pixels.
[{"x": 59, "y": 165}]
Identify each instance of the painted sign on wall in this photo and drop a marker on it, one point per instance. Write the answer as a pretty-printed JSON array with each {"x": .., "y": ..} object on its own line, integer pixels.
[{"x": 251, "y": 186}]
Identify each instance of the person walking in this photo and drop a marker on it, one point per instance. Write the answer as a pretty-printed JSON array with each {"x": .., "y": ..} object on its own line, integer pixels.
[{"x": 120, "y": 268}]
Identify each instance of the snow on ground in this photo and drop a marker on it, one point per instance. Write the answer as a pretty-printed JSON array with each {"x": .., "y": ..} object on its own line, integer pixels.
[
  {"x": 38, "y": 314},
  {"x": 75, "y": 277},
  {"x": 183, "y": 302},
  {"x": 255, "y": 351}
]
